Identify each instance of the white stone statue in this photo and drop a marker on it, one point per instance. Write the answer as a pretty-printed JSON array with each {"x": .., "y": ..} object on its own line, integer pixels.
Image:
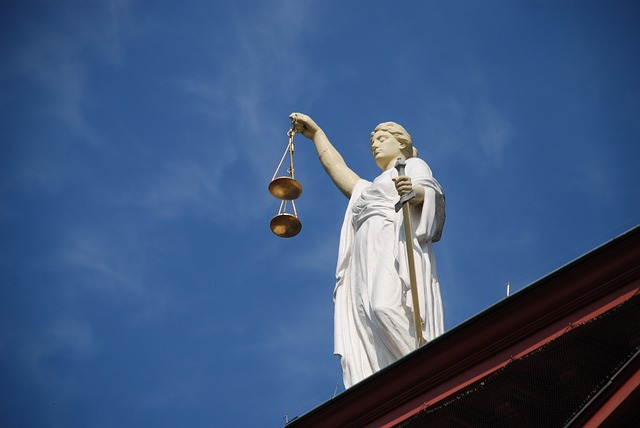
[{"x": 373, "y": 306}]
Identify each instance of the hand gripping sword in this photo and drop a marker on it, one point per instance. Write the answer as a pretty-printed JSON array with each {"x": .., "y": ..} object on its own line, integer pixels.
[{"x": 408, "y": 233}]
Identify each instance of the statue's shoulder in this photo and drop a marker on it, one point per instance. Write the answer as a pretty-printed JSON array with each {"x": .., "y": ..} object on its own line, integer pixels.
[
  {"x": 416, "y": 161},
  {"x": 417, "y": 166}
]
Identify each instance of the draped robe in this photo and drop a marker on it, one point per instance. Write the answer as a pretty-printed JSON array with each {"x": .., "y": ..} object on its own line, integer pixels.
[{"x": 373, "y": 307}]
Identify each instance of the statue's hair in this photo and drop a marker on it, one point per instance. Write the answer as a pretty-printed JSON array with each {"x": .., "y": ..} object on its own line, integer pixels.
[{"x": 400, "y": 134}]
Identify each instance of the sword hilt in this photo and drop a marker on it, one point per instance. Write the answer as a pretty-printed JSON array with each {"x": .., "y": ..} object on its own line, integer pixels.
[{"x": 400, "y": 164}]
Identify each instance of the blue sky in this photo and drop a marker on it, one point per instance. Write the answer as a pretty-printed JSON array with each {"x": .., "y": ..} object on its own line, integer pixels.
[{"x": 140, "y": 284}]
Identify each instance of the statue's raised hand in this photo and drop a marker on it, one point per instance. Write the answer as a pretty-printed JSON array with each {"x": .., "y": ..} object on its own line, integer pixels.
[{"x": 304, "y": 125}]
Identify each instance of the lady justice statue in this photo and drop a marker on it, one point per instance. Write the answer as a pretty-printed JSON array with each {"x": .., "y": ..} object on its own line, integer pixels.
[{"x": 373, "y": 318}]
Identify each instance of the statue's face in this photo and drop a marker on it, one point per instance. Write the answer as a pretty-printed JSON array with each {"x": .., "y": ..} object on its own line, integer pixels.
[{"x": 385, "y": 148}]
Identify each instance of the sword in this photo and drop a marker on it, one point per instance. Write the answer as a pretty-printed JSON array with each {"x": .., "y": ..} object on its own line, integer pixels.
[{"x": 408, "y": 233}]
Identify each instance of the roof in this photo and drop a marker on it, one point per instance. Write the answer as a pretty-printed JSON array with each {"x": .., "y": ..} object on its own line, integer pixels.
[{"x": 514, "y": 348}]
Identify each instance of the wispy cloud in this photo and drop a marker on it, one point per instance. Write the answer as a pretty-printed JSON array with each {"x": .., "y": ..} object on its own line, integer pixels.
[
  {"x": 470, "y": 127},
  {"x": 52, "y": 61},
  {"x": 320, "y": 255},
  {"x": 72, "y": 337},
  {"x": 289, "y": 345},
  {"x": 191, "y": 187},
  {"x": 494, "y": 131},
  {"x": 64, "y": 337},
  {"x": 261, "y": 73},
  {"x": 115, "y": 266},
  {"x": 117, "y": 27},
  {"x": 54, "y": 57}
]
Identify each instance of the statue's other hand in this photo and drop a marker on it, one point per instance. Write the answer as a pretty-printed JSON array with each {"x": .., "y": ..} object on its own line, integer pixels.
[
  {"x": 403, "y": 184},
  {"x": 304, "y": 125}
]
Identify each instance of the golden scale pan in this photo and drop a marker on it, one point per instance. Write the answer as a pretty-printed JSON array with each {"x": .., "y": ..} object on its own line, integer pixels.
[{"x": 287, "y": 189}]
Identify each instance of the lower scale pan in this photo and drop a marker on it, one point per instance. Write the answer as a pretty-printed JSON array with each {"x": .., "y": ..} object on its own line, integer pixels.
[{"x": 285, "y": 225}]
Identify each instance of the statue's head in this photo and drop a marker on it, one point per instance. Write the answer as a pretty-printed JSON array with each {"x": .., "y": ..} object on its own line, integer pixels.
[{"x": 401, "y": 135}]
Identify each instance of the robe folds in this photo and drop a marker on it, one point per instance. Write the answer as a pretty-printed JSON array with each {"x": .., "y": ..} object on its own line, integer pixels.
[{"x": 373, "y": 306}]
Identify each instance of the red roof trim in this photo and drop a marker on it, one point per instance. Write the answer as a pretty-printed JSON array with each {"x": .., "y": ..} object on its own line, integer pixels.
[{"x": 619, "y": 405}]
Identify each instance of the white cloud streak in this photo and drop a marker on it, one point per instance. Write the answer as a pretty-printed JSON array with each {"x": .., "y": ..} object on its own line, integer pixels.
[
  {"x": 64, "y": 337},
  {"x": 494, "y": 132},
  {"x": 471, "y": 128},
  {"x": 53, "y": 59},
  {"x": 260, "y": 72},
  {"x": 115, "y": 266}
]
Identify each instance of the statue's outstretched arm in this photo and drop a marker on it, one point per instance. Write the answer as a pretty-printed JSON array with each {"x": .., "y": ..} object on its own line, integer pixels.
[{"x": 335, "y": 166}]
